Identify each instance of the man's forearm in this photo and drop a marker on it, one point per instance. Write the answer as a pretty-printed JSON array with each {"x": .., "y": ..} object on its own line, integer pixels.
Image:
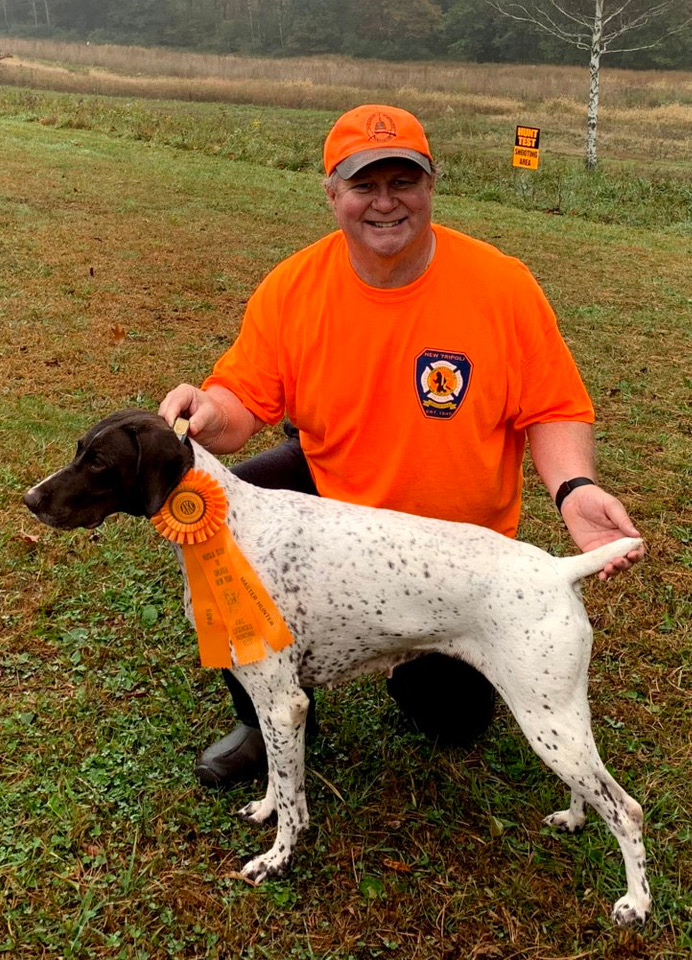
[
  {"x": 239, "y": 423},
  {"x": 561, "y": 451}
]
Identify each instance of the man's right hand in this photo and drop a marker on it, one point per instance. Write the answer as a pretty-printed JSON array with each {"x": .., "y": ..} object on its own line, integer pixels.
[{"x": 218, "y": 420}]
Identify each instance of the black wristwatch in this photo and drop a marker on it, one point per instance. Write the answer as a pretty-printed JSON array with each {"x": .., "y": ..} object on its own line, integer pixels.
[{"x": 567, "y": 487}]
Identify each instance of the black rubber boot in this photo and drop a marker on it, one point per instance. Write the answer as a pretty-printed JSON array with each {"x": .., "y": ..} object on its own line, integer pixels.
[{"x": 237, "y": 758}]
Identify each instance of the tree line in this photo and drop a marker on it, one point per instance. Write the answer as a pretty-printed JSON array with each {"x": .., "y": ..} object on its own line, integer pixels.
[{"x": 470, "y": 30}]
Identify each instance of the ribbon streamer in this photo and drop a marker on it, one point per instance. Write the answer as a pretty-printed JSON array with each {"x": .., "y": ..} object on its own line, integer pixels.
[{"x": 231, "y": 607}]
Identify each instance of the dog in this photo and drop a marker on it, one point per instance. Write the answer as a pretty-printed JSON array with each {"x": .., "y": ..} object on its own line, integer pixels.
[{"x": 364, "y": 589}]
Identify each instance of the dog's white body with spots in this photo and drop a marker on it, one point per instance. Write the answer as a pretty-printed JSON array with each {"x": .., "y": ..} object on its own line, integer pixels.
[{"x": 363, "y": 589}]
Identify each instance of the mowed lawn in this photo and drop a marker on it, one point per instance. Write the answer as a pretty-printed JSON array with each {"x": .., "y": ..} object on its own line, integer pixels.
[{"x": 125, "y": 267}]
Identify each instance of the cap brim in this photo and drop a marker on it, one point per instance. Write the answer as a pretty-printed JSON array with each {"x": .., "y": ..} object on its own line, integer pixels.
[{"x": 351, "y": 165}]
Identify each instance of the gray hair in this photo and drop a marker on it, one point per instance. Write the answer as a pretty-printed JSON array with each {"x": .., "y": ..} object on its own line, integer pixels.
[{"x": 330, "y": 183}]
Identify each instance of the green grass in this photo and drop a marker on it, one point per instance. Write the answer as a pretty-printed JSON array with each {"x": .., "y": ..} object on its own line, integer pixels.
[
  {"x": 473, "y": 156},
  {"x": 108, "y": 848}
]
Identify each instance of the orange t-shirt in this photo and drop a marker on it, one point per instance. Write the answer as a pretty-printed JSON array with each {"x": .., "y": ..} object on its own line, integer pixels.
[{"x": 414, "y": 398}]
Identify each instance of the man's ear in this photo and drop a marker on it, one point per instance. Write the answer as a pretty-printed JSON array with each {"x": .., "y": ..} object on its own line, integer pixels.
[
  {"x": 330, "y": 189},
  {"x": 162, "y": 462}
]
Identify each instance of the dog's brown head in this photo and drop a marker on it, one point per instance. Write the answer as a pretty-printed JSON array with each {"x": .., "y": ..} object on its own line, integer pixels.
[{"x": 127, "y": 463}]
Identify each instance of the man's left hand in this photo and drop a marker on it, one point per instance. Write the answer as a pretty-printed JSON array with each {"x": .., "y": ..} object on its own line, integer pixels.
[{"x": 594, "y": 517}]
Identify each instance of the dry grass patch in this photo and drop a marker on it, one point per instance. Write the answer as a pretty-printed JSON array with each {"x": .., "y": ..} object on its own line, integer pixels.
[
  {"x": 552, "y": 97},
  {"x": 533, "y": 83}
]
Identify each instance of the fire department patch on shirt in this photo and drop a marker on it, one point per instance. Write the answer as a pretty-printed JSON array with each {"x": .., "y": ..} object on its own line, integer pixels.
[{"x": 442, "y": 379}]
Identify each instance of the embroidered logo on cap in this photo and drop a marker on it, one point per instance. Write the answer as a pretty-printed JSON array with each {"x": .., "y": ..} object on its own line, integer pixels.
[
  {"x": 380, "y": 127},
  {"x": 442, "y": 379}
]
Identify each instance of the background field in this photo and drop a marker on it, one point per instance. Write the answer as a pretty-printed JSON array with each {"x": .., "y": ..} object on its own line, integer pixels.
[{"x": 132, "y": 233}]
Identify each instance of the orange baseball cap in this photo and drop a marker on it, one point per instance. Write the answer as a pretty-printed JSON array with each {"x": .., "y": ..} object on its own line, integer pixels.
[{"x": 374, "y": 132}]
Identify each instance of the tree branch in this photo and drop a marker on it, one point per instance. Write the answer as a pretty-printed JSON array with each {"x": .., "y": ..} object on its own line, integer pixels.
[
  {"x": 641, "y": 20},
  {"x": 550, "y": 27},
  {"x": 655, "y": 43},
  {"x": 540, "y": 17}
]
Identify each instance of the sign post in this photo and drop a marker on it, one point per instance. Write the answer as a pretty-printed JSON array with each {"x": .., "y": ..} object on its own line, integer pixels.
[{"x": 526, "y": 150}]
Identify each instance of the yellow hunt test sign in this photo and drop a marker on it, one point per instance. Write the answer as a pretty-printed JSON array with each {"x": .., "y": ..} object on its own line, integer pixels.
[{"x": 526, "y": 151}]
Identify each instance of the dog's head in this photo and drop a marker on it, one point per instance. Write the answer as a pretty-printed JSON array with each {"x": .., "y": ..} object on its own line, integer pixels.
[{"x": 127, "y": 463}]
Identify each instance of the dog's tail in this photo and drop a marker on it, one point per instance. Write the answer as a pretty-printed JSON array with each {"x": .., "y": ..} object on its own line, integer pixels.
[{"x": 584, "y": 564}]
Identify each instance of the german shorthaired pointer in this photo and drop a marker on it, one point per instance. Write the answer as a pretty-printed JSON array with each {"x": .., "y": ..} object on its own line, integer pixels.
[{"x": 363, "y": 590}]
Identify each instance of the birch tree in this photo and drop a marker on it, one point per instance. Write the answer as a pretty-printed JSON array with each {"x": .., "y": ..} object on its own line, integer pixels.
[{"x": 597, "y": 27}]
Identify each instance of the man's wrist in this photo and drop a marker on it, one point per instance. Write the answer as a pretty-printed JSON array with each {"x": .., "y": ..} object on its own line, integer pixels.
[{"x": 567, "y": 487}]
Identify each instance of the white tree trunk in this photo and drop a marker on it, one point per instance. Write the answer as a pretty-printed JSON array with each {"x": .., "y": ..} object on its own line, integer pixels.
[
  {"x": 594, "y": 85},
  {"x": 280, "y": 11},
  {"x": 252, "y": 23}
]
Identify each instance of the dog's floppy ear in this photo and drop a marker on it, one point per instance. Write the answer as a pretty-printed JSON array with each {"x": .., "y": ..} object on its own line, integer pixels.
[{"x": 162, "y": 462}]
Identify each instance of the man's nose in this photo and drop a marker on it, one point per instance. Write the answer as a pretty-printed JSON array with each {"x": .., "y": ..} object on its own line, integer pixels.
[{"x": 384, "y": 200}]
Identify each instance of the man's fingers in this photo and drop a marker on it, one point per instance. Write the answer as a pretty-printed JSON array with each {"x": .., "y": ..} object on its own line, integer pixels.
[
  {"x": 200, "y": 420},
  {"x": 620, "y": 564},
  {"x": 618, "y": 516},
  {"x": 198, "y": 408},
  {"x": 179, "y": 401}
]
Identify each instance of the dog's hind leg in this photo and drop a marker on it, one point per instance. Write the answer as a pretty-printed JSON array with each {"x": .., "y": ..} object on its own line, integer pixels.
[
  {"x": 562, "y": 738},
  {"x": 283, "y": 729}
]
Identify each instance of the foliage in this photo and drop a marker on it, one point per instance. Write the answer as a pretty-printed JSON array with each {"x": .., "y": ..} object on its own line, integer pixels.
[{"x": 395, "y": 29}]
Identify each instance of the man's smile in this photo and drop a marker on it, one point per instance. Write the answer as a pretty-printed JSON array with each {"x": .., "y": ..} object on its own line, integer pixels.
[{"x": 385, "y": 223}]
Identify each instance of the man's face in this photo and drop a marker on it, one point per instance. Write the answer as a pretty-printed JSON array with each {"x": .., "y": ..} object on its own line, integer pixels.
[{"x": 385, "y": 208}]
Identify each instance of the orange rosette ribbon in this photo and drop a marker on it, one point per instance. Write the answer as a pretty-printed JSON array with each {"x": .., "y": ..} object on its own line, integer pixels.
[{"x": 231, "y": 607}]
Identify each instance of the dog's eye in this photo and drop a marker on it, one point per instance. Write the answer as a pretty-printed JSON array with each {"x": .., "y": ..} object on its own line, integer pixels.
[{"x": 97, "y": 464}]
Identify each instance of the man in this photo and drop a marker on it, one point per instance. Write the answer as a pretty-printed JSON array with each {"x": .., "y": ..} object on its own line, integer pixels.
[{"x": 414, "y": 362}]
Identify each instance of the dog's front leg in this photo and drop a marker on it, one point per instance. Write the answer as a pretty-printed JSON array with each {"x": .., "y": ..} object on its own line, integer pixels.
[
  {"x": 572, "y": 820},
  {"x": 283, "y": 729},
  {"x": 257, "y": 811}
]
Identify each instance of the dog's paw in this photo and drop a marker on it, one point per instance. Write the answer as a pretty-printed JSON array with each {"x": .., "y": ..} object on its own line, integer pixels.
[
  {"x": 257, "y": 811},
  {"x": 266, "y": 867},
  {"x": 627, "y": 913},
  {"x": 564, "y": 821}
]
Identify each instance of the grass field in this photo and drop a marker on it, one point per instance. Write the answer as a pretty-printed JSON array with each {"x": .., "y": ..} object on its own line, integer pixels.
[{"x": 133, "y": 232}]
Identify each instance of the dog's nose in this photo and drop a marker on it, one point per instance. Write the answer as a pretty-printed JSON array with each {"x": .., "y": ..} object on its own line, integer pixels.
[{"x": 31, "y": 499}]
